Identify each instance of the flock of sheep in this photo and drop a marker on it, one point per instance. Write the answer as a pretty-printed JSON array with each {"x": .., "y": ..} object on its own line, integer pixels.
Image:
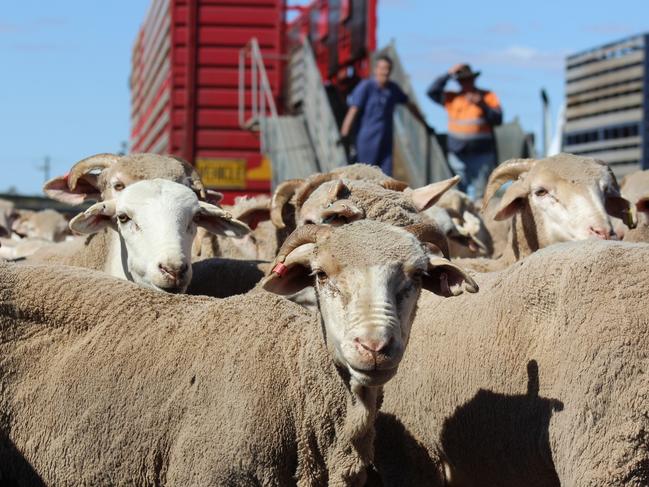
[{"x": 170, "y": 340}]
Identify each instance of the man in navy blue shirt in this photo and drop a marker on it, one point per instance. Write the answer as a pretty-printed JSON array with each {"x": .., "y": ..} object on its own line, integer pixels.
[{"x": 374, "y": 100}]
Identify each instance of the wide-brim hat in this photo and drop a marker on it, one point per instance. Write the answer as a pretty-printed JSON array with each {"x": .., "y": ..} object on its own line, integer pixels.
[{"x": 465, "y": 72}]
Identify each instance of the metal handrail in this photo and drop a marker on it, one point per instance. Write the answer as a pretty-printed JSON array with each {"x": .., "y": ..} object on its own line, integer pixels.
[{"x": 262, "y": 101}]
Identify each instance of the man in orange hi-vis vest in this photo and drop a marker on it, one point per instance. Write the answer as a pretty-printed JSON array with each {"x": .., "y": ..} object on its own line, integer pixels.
[{"x": 472, "y": 114}]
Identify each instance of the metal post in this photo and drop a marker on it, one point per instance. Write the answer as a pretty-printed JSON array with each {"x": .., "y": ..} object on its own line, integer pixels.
[
  {"x": 253, "y": 73},
  {"x": 242, "y": 86},
  {"x": 545, "y": 123}
]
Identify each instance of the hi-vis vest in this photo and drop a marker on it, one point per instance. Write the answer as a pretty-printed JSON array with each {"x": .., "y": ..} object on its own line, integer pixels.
[{"x": 466, "y": 120}]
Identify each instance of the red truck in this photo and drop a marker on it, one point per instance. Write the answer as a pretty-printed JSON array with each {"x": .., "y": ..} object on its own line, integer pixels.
[{"x": 185, "y": 76}]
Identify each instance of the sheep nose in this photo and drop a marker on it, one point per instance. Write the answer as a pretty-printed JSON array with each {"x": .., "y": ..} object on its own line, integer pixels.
[
  {"x": 173, "y": 272},
  {"x": 602, "y": 233},
  {"x": 373, "y": 346}
]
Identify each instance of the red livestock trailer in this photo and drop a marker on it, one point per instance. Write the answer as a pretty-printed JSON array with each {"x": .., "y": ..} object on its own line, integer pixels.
[{"x": 185, "y": 76}]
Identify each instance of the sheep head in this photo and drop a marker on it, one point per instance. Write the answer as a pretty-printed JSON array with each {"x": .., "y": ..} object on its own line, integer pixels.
[
  {"x": 635, "y": 188},
  {"x": 47, "y": 225},
  {"x": 368, "y": 276},
  {"x": 298, "y": 191},
  {"x": 467, "y": 234},
  {"x": 342, "y": 201},
  {"x": 101, "y": 176},
  {"x": 157, "y": 221},
  {"x": 567, "y": 197}
]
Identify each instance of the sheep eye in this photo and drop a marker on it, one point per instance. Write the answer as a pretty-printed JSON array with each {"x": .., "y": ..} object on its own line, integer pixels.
[
  {"x": 321, "y": 276},
  {"x": 196, "y": 218},
  {"x": 118, "y": 186},
  {"x": 541, "y": 192},
  {"x": 405, "y": 291},
  {"x": 418, "y": 275},
  {"x": 123, "y": 217}
]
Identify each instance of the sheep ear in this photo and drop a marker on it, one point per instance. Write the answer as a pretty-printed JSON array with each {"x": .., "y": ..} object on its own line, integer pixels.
[
  {"x": 219, "y": 222},
  {"x": 642, "y": 205},
  {"x": 619, "y": 207},
  {"x": 294, "y": 274},
  {"x": 341, "y": 212},
  {"x": 97, "y": 217},
  {"x": 428, "y": 195},
  {"x": 512, "y": 201},
  {"x": 253, "y": 217},
  {"x": 446, "y": 279},
  {"x": 85, "y": 189}
]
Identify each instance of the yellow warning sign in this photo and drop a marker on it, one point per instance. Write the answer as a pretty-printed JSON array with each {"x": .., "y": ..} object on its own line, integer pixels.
[{"x": 222, "y": 173}]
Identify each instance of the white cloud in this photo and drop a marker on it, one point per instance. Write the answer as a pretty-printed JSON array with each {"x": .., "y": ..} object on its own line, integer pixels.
[
  {"x": 514, "y": 56},
  {"x": 526, "y": 57},
  {"x": 611, "y": 28}
]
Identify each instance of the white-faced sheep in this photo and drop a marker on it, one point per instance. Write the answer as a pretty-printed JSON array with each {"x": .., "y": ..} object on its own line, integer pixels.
[
  {"x": 196, "y": 391},
  {"x": 559, "y": 199},
  {"x": 143, "y": 234},
  {"x": 540, "y": 380}
]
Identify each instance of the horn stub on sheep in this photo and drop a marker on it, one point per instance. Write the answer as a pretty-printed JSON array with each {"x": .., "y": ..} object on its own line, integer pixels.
[
  {"x": 282, "y": 195},
  {"x": 84, "y": 166},
  {"x": 430, "y": 233},
  {"x": 507, "y": 171},
  {"x": 197, "y": 184},
  {"x": 302, "y": 235},
  {"x": 311, "y": 185}
]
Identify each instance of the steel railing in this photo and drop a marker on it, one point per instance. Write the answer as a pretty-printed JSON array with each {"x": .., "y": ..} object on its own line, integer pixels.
[{"x": 262, "y": 102}]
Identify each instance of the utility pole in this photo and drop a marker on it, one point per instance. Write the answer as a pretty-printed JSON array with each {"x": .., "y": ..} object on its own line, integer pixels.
[{"x": 45, "y": 168}]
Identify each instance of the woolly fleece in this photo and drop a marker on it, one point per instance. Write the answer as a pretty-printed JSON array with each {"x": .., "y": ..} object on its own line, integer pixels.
[
  {"x": 538, "y": 380},
  {"x": 106, "y": 383}
]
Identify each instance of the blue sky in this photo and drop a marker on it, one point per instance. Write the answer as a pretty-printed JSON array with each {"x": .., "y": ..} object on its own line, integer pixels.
[{"x": 64, "y": 84}]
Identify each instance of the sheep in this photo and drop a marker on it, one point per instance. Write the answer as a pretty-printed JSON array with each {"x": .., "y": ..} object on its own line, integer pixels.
[
  {"x": 466, "y": 231},
  {"x": 143, "y": 234},
  {"x": 635, "y": 188},
  {"x": 7, "y": 216},
  {"x": 299, "y": 190},
  {"x": 33, "y": 230},
  {"x": 262, "y": 243},
  {"x": 539, "y": 380},
  {"x": 342, "y": 200},
  {"x": 48, "y": 225},
  {"x": 557, "y": 199},
  {"x": 92, "y": 394},
  {"x": 102, "y": 176},
  {"x": 349, "y": 193}
]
